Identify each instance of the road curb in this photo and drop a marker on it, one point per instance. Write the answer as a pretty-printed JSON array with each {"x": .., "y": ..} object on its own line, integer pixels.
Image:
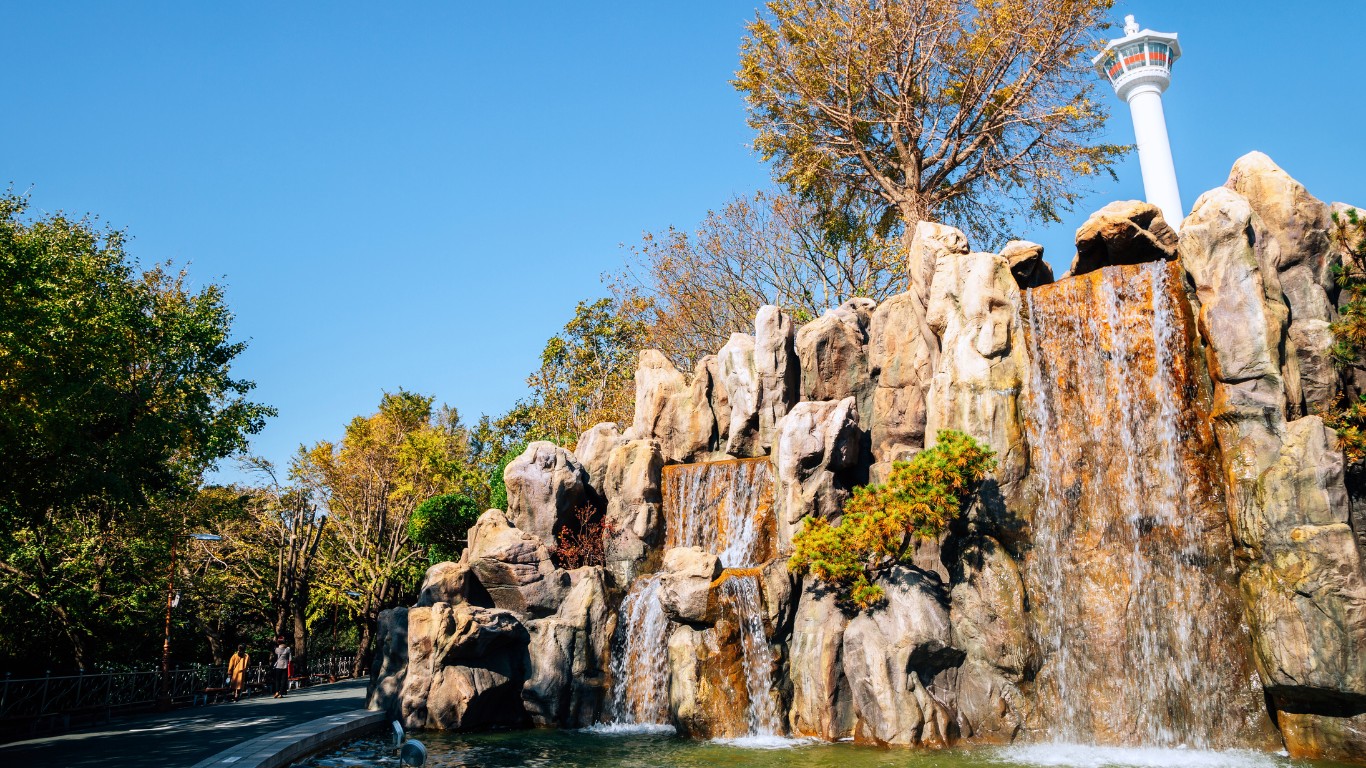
[{"x": 283, "y": 747}]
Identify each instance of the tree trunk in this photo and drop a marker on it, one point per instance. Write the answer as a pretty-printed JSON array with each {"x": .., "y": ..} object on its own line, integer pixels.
[
  {"x": 300, "y": 642},
  {"x": 358, "y": 666}
]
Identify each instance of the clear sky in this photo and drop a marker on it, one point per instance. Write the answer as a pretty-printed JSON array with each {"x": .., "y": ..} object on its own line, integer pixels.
[{"x": 416, "y": 194}]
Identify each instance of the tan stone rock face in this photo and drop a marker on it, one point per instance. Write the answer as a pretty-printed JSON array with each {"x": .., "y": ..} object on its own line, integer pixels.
[
  {"x": 634, "y": 507},
  {"x": 673, "y": 410},
  {"x": 1303, "y": 587},
  {"x": 741, "y": 379},
  {"x": 595, "y": 446},
  {"x": 545, "y": 485},
  {"x": 570, "y": 653},
  {"x": 685, "y": 586},
  {"x": 1123, "y": 232},
  {"x": 822, "y": 704},
  {"x": 390, "y": 667},
  {"x": 899, "y": 354},
  {"x": 514, "y": 567},
  {"x": 1293, "y": 239},
  {"x": 833, "y": 350},
  {"x": 440, "y": 691},
  {"x": 775, "y": 360},
  {"x": 887, "y": 655},
  {"x": 445, "y": 583},
  {"x": 816, "y": 443},
  {"x": 974, "y": 309}
]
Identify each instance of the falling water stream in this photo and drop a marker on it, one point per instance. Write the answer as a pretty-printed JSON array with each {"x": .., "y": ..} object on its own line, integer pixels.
[
  {"x": 1131, "y": 618},
  {"x": 724, "y": 508}
]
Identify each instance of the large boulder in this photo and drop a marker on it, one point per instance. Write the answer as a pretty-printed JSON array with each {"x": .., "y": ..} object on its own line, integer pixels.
[
  {"x": 816, "y": 444},
  {"x": 593, "y": 449},
  {"x": 1123, "y": 232},
  {"x": 833, "y": 350},
  {"x": 570, "y": 655},
  {"x": 445, "y": 583},
  {"x": 673, "y": 410},
  {"x": 635, "y": 517},
  {"x": 546, "y": 486},
  {"x": 974, "y": 309},
  {"x": 902, "y": 359},
  {"x": 1026, "y": 264},
  {"x": 1294, "y": 239},
  {"x": 390, "y": 666},
  {"x": 822, "y": 704},
  {"x": 685, "y": 586},
  {"x": 990, "y": 625},
  {"x": 741, "y": 380},
  {"x": 930, "y": 243},
  {"x": 514, "y": 567},
  {"x": 775, "y": 360},
  {"x": 466, "y": 668},
  {"x": 889, "y": 653}
]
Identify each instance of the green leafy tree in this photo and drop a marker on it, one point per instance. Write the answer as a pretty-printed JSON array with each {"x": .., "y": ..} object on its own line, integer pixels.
[
  {"x": 1349, "y": 334},
  {"x": 116, "y": 395},
  {"x": 439, "y": 525},
  {"x": 881, "y": 522},
  {"x": 586, "y": 376},
  {"x": 369, "y": 484}
]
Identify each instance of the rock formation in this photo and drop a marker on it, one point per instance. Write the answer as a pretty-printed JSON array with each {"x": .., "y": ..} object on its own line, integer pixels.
[{"x": 1170, "y": 551}]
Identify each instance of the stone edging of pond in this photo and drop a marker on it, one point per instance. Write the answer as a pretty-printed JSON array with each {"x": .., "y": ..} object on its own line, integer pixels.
[{"x": 283, "y": 747}]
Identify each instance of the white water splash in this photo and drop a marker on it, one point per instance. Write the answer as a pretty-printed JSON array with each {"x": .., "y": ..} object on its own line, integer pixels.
[
  {"x": 1087, "y": 756},
  {"x": 640, "y": 659}
]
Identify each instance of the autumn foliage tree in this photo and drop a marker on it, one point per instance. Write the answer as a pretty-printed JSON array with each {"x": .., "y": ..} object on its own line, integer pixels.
[
  {"x": 767, "y": 248},
  {"x": 882, "y": 521},
  {"x": 963, "y": 111},
  {"x": 1349, "y": 334},
  {"x": 369, "y": 484}
]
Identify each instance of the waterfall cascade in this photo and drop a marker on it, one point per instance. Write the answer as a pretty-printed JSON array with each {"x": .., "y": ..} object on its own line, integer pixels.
[
  {"x": 724, "y": 508},
  {"x": 1130, "y": 571}
]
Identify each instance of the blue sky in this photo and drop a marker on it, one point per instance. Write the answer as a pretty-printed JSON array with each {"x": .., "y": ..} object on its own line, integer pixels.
[{"x": 416, "y": 194}]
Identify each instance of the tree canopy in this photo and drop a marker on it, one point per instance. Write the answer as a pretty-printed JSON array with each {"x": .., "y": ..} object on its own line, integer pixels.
[{"x": 963, "y": 111}]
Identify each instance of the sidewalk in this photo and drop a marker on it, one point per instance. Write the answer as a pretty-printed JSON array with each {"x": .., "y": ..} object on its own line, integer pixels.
[{"x": 182, "y": 738}]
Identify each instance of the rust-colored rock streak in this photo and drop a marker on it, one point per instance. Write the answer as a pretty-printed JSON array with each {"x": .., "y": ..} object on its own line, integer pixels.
[
  {"x": 724, "y": 507},
  {"x": 1130, "y": 576}
]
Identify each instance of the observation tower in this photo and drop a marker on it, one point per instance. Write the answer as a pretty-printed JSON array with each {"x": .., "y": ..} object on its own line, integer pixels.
[{"x": 1139, "y": 66}]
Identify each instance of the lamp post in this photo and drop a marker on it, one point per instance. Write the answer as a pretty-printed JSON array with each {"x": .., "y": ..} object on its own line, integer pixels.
[{"x": 164, "y": 699}]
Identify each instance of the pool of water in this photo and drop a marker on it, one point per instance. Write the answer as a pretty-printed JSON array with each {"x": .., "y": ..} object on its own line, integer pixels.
[{"x": 608, "y": 747}]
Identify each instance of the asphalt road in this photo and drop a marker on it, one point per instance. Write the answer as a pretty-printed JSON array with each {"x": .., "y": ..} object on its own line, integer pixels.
[{"x": 184, "y": 737}]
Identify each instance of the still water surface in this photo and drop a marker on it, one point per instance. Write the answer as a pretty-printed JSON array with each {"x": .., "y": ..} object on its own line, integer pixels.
[{"x": 608, "y": 748}]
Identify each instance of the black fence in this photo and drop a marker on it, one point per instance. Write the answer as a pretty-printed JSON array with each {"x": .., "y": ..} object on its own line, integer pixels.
[{"x": 56, "y": 702}]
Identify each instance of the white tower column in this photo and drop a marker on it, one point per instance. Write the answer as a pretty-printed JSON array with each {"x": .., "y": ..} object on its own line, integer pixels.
[
  {"x": 1139, "y": 66},
  {"x": 1155, "y": 153}
]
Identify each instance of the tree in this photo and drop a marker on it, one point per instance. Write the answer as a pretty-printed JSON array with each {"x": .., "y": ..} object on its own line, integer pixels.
[
  {"x": 1349, "y": 337},
  {"x": 116, "y": 394},
  {"x": 881, "y": 521},
  {"x": 769, "y": 248},
  {"x": 586, "y": 375},
  {"x": 439, "y": 525},
  {"x": 965, "y": 111},
  {"x": 369, "y": 484}
]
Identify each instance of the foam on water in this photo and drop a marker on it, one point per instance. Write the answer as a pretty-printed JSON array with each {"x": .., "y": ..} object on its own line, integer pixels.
[
  {"x": 630, "y": 729},
  {"x": 1089, "y": 756},
  {"x": 762, "y": 742}
]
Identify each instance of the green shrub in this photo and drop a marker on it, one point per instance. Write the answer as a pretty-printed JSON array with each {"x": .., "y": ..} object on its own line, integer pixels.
[
  {"x": 881, "y": 521},
  {"x": 439, "y": 525}
]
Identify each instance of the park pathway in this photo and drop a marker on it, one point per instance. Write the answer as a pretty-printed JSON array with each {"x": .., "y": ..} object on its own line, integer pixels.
[{"x": 182, "y": 738}]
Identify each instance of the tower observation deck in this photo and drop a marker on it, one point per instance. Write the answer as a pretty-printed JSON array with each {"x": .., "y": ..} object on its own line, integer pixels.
[{"x": 1139, "y": 66}]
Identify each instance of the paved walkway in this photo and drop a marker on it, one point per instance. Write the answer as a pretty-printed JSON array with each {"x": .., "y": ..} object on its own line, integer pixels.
[{"x": 182, "y": 738}]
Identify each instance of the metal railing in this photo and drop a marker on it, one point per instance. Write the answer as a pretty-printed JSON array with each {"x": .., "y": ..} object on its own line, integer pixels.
[{"x": 103, "y": 692}]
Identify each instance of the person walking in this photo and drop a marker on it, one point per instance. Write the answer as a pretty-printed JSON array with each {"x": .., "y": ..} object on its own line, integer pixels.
[
  {"x": 279, "y": 667},
  {"x": 237, "y": 671}
]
